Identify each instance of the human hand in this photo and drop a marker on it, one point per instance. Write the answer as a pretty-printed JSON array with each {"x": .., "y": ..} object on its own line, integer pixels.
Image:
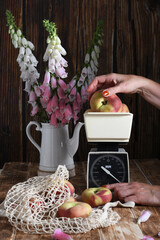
[
  {"x": 115, "y": 83},
  {"x": 140, "y": 193}
]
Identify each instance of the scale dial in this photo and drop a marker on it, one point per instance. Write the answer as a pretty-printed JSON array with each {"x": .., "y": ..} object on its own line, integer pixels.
[{"x": 115, "y": 164}]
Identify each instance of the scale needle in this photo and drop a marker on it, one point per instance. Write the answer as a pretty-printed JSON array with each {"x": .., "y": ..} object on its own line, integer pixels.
[{"x": 109, "y": 173}]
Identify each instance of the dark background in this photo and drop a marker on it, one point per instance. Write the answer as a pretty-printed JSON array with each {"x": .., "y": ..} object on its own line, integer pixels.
[{"x": 131, "y": 45}]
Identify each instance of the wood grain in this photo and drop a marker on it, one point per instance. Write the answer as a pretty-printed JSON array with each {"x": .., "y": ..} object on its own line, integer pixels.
[
  {"x": 130, "y": 45},
  {"x": 126, "y": 228}
]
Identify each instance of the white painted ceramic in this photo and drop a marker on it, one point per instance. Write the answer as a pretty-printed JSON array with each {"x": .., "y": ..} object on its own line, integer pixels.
[
  {"x": 107, "y": 126},
  {"x": 56, "y": 146}
]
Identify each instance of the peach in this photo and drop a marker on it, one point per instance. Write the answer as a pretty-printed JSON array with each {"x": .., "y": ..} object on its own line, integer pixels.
[
  {"x": 74, "y": 209},
  {"x": 96, "y": 196},
  {"x": 124, "y": 108},
  {"x": 99, "y": 103}
]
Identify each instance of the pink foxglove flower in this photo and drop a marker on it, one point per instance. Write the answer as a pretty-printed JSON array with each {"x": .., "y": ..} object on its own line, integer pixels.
[
  {"x": 61, "y": 93},
  {"x": 47, "y": 94},
  {"x": 54, "y": 103},
  {"x": 53, "y": 82},
  {"x": 83, "y": 94},
  {"x": 32, "y": 97},
  {"x": 34, "y": 110},
  {"x": 58, "y": 114},
  {"x": 68, "y": 112},
  {"x": 46, "y": 78},
  {"x": 53, "y": 119},
  {"x": 145, "y": 215},
  {"x": 76, "y": 107},
  {"x": 61, "y": 72},
  {"x": 59, "y": 235},
  {"x": 63, "y": 84},
  {"x": 72, "y": 95},
  {"x": 38, "y": 91}
]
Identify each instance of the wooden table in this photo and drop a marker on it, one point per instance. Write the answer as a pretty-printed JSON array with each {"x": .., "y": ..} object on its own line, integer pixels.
[{"x": 127, "y": 228}]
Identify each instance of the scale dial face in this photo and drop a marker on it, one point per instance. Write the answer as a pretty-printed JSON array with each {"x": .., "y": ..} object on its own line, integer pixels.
[{"x": 116, "y": 165}]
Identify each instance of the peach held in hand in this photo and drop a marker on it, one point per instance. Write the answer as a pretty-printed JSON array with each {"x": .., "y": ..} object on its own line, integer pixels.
[
  {"x": 74, "y": 209},
  {"x": 99, "y": 103},
  {"x": 96, "y": 196}
]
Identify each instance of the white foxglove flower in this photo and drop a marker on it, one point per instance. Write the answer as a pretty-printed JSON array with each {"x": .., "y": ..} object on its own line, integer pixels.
[
  {"x": 19, "y": 41},
  {"x": 81, "y": 81},
  {"x": 19, "y": 33},
  {"x": 30, "y": 45},
  {"x": 93, "y": 55},
  {"x": 61, "y": 50},
  {"x": 51, "y": 65},
  {"x": 33, "y": 60},
  {"x": 26, "y": 59},
  {"x": 25, "y": 75},
  {"x": 15, "y": 43},
  {"x": 56, "y": 54},
  {"x": 27, "y": 87},
  {"x": 28, "y": 51},
  {"x": 12, "y": 31},
  {"x": 23, "y": 66},
  {"x": 57, "y": 40},
  {"x": 94, "y": 68},
  {"x": 24, "y": 42},
  {"x": 84, "y": 72},
  {"x": 48, "y": 40},
  {"x": 97, "y": 50},
  {"x": 21, "y": 51},
  {"x": 15, "y": 37},
  {"x": 87, "y": 58}
]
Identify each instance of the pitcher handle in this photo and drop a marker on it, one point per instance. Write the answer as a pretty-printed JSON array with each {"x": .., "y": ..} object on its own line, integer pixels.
[{"x": 38, "y": 128}]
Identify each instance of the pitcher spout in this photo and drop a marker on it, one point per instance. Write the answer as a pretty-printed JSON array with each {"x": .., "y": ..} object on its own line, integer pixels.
[{"x": 72, "y": 144}]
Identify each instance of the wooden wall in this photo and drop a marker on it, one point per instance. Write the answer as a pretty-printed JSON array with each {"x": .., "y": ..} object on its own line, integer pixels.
[{"x": 131, "y": 45}]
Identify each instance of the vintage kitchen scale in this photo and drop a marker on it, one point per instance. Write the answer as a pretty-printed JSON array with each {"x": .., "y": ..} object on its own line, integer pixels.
[{"x": 107, "y": 162}]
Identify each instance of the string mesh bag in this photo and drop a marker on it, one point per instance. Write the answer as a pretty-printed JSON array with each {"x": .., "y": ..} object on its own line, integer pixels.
[{"x": 32, "y": 207}]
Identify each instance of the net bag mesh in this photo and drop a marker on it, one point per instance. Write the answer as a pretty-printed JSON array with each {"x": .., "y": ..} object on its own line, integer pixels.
[{"x": 32, "y": 206}]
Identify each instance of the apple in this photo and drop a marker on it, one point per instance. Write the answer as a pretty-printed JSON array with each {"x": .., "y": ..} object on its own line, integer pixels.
[
  {"x": 96, "y": 196},
  {"x": 74, "y": 209},
  {"x": 99, "y": 103},
  {"x": 124, "y": 108}
]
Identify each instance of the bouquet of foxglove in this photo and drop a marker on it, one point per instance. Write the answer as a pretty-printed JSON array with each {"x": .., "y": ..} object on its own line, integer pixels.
[{"x": 54, "y": 101}]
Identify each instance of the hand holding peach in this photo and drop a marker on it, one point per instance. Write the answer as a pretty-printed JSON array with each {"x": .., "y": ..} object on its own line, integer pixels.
[
  {"x": 96, "y": 196},
  {"x": 100, "y": 103}
]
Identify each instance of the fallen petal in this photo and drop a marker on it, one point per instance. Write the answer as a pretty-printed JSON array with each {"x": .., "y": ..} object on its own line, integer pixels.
[
  {"x": 147, "y": 238},
  {"x": 144, "y": 216},
  {"x": 59, "y": 235}
]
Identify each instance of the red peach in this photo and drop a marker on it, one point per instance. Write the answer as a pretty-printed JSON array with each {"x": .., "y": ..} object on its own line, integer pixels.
[
  {"x": 96, "y": 196},
  {"x": 74, "y": 210}
]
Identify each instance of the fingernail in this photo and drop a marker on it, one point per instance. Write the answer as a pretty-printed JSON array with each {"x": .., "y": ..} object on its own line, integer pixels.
[{"x": 105, "y": 93}]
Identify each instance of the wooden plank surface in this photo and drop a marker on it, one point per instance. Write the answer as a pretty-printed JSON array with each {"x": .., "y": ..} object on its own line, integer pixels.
[
  {"x": 130, "y": 45},
  {"x": 126, "y": 228}
]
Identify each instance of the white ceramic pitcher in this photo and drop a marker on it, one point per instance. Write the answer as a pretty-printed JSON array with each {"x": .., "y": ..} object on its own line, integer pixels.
[{"x": 56, "y": 146}]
